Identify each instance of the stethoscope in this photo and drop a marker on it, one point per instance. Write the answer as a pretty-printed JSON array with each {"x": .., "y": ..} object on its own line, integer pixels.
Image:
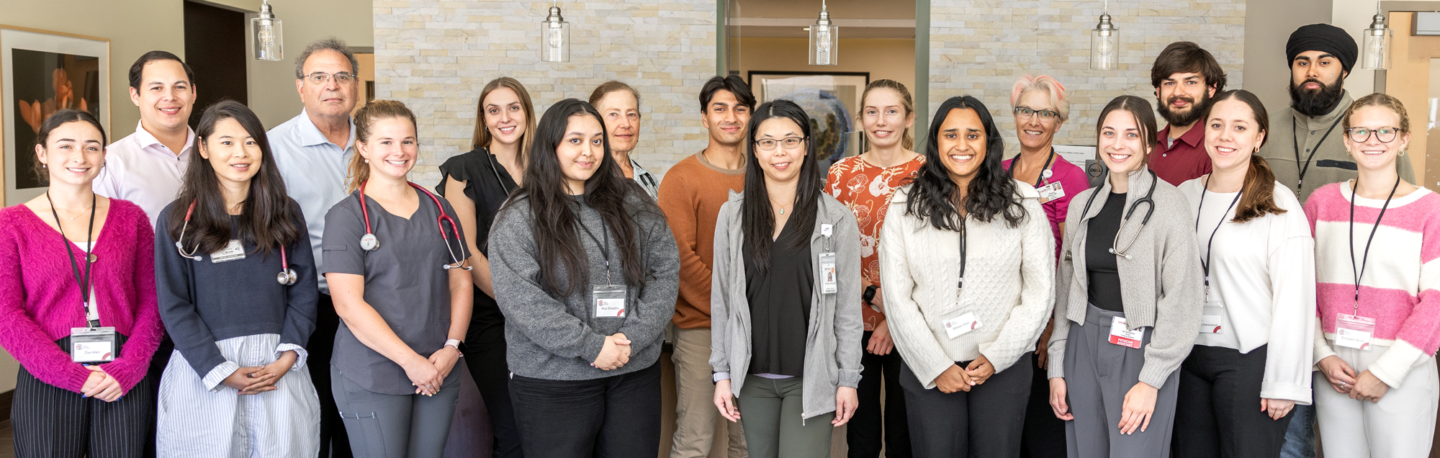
[
  {"x": 1150, "y": 210},
  {"x": 286, "y": 276},
  {"x": 369, "y": 243}
]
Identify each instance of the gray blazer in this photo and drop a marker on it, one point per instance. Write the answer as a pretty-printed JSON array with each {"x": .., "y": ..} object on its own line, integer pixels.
[
  {"x": 832, "y": 357},
  {"x": 1162, "y": 286}
]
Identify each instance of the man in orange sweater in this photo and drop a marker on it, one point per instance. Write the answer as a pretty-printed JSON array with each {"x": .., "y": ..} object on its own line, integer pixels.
[{"x": 690, "y": 196}]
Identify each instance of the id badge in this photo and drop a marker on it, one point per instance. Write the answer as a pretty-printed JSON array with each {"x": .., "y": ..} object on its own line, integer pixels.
[
  {"x": 827, "y": 274},
  {"x": 1212, "y": 322},
  {"x": 1120, "y": 335},
  {"x": 961, "y": 325},
  {"x": 232, "y": 252},
  {"x": 1353, "y": 331},
  {"x": 92, "y": 345},
  {"x": 1051, "y": 192},
  {"x": 610, "y": 301}
]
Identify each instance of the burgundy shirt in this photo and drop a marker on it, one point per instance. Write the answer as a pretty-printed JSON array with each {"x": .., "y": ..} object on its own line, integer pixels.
[{"x": 1182, "y": 161}]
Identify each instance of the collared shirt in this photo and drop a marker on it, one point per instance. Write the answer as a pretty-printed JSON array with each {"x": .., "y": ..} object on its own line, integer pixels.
[
  {"x": 646, "y": 180},
  {"x": 314, "y": 171},
  {"x": 140, "y": 169},
  {"x": 1294, "y": 135},
  {"x": 1182, "y": 159}
]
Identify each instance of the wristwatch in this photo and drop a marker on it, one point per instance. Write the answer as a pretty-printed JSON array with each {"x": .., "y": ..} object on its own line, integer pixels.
[
  {"x": 455, "y": 343},
  {"x": 869, "y": 293}
]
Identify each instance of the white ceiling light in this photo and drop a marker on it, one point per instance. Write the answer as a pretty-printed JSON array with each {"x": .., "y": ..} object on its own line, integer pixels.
[
  {"x": 266, "y": 34},
  {"x": 1105, "y": 43},
  {"x": 824, "y": 40},
  {"x": 554, "y": 37}
]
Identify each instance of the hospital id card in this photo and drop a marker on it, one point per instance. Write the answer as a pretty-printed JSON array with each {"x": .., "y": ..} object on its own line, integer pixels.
[
  {"x": 1051, "y": 192},
  {"x": 610, "y": 301},
  {"x": 961, "y": 325},
  {"x": 828, "y": 282},
  {"x": 1354, "y": 331},
  {"x": 232, "y": 251},
  {"x": 1123, "y": 336},
  {"x": 93, "y": 345}
]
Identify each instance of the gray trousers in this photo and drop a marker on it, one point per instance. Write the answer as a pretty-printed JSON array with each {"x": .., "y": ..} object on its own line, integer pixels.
[
  {"x": 396, "y": 426},
  {"x": 773, "y": 410},
  {"x": 1098, "y": 374}
]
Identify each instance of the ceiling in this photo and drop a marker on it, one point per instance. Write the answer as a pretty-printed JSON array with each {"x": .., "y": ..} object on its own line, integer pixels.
[{"x": 855, "y": 18}]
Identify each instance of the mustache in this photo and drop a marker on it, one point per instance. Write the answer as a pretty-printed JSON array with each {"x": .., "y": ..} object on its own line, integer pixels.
[{"x": 1186, "y": 98}]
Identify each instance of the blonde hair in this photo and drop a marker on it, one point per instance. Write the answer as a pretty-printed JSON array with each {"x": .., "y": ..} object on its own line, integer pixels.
[
  {"x": 1379, "y": 99},
  {"x": 907, "y": 141},
  {"x": 365, "y": 120},
  {"x": 1059, "y": 97},
  {"x": 482, "y": 137}
]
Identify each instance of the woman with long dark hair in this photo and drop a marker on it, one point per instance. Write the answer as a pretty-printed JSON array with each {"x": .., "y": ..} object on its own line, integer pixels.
[
  {"x": 785, "y": 308},
  {"x": 1127, "y": 298},
  {"x": 227, "y": 262},
  {"x": 586, "y": 272},
  {"x": 967, "y": 260},
  {"x": 77, "y": 304}
]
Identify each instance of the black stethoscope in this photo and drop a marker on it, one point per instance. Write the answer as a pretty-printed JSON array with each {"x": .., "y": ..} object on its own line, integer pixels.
[
  {"x": 369, "y": 243},
  {"x": 286, "y": 276},
  {"x": 1150, "y": 210}
]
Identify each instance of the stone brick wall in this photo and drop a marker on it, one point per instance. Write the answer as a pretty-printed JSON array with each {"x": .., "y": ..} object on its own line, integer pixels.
[
  {"x": 979, "y": 47},
  {"x": 435, "y": 56}
]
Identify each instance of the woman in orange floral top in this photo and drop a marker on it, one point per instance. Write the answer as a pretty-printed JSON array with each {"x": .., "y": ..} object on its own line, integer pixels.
[{"x": 865, "y": 183}]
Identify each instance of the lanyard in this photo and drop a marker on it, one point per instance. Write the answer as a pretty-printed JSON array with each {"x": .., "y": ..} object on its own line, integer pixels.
[
  {"x": 604, "y": 248},
  {"x": 1205, "y": 263},
  {"x": 495, "y": 168},
  {"x": 1295, "y": 138},
  {"x": 83, "y": 281},
  {"x": 1044, "y": 171},
  {"x": 1365, "y": 257},
  {"x": 962, "y": 252}
]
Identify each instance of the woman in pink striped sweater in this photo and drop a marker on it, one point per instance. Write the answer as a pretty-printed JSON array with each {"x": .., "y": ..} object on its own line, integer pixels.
[{"x": 1377, "y": 260}]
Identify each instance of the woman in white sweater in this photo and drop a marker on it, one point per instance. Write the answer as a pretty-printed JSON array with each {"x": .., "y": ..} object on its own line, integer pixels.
[
  {"x": 1251, "y": 361},
  {"x": 967, "y": 260}
]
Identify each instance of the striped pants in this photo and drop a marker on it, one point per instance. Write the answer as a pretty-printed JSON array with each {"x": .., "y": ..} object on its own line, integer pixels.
[{"x": 53, "y": 422}]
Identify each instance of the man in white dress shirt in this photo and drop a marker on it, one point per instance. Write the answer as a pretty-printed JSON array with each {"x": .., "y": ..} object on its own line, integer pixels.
[{"x": 312, "y": 151}]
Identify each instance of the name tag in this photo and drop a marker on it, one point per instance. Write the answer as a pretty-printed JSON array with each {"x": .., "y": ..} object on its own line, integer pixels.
[
  {"x": 1051, "y": 192},
  {"x": 1211, "y": 324},
  {"x": 961, "y": 325},
  {"x": 610, "y": 301},
  {"x": 1122, "y": 336},
  {"x": 232, "y": 251},
  {"x": 828, "y": 284},
  {"x": 92, "y": 345},
  {"x": 1354, "y": 331}
]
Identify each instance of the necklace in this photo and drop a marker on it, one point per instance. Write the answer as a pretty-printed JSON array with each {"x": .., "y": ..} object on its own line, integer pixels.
[
  {"x": 777, "y": 205},
  {"x": 82, "y": 212}
]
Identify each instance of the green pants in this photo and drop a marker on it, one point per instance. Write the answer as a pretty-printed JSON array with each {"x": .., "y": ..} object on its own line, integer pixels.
[{"x": 773, "y": 427}]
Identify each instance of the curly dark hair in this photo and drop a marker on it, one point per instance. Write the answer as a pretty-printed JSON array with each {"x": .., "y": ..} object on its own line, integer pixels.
[{"x": 991, "y": 193}]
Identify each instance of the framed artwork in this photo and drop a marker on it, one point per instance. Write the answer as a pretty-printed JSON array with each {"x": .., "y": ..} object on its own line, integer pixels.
[
  {"x": 831, "y": 99},
  {"x": 42, "y": 72}
]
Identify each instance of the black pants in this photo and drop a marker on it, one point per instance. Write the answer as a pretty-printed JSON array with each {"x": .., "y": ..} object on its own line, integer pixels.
[
  {"x": 1044, "y": 435},
  {"x": 333, "y": 440},
  {"x": 983, "y": 423},
  {"x": 612, "y": 417},
  {"x": 485, "y": 356},
  {"x": 864, "y": 434},
  {"x": 1218, "y": 413},
  {"x": 55, "y": 423},
  {"x": 152, "y": 375}
]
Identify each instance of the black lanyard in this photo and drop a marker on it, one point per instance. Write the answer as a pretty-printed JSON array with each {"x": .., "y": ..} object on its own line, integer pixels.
[
  {"x": 1205, "y": 263},
  {"x": 1041, "y": 177},
  {"x": 495, "y": 167},
  {"x": 962, "y": 252},
  {"x": 1295, "y": 138},
  {"x": 1365, "y": 257},
  {"x": 83, "y": 281},
  {"x": 604, "y": 248}
]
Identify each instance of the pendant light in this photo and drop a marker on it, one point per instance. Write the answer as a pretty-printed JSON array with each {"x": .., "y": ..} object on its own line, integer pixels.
[
  {"x": 1105, "y": 43},
  {"x": 824, "y": 40},
  {"x": 1377, "y": 43},
  {"x": 266, "y": 34},
  {"x": 554, "y": 37}
]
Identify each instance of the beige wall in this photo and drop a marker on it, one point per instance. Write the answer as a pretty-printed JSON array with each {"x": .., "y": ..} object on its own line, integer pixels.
[
  {"x": 272, "y": 84},
  {"x": 1268, "y": 24},
  {"x": 884, "y": 58}
]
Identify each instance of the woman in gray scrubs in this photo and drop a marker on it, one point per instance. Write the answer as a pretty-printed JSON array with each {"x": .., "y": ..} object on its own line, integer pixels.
[{"x": 403, "y": 294}]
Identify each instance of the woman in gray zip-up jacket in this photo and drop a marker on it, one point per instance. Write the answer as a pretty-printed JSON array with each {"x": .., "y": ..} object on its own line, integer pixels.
[
  {"x": 1131, "y": 257},
  {"x": 781, "y": 340}
]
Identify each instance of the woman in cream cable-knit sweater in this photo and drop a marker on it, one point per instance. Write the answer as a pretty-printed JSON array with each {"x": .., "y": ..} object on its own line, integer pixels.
[{"x": 966, "y": 223}]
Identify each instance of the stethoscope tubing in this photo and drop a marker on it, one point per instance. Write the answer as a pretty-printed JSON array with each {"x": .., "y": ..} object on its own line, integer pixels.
[
  {"x": 286, "y": 277},
  {"x": 369, "y": 242}
]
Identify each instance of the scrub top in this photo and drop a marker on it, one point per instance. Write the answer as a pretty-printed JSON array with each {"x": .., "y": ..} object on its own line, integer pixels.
[{"x": 404, "y": 281}]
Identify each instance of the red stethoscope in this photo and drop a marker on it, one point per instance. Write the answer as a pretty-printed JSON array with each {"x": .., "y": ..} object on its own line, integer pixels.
[
  {"x": 286, "y": 276},
  {"x": 369, "y": 243}
]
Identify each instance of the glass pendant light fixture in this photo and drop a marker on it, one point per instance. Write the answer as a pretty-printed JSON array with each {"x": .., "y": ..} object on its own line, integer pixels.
[
  {"x": 824, "y": 40},
  {"x": 1377, "y": 43},
  {"x": 554, "y": 37},
  {"x": 1105, "y": 43},
  {"x": 266, "y": 34}
]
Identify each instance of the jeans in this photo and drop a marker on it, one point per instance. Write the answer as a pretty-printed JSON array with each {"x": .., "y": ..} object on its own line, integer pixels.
[{"x": 1300, "y": 437}]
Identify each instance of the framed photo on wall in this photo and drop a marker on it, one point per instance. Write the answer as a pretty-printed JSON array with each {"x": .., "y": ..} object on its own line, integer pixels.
[
  {"x": 831, "y": 99},
  {"x": 42, "y": 72}
]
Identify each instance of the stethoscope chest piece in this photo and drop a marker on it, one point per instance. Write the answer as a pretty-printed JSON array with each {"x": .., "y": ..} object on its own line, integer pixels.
[
  {"x": 369, "y": 242},
  {"x": 287, "y": 277}
]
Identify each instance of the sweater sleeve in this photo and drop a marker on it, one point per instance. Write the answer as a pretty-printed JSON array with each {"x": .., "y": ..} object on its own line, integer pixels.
[
  {"x": 147, "y": 329},
  {"x": 719, "y": 300},
  {"x": 21, "y": 336},
  {"x": 1064, "y": 277},
  {"x": 528, "y": 308},
  {"x": 300, "y": 299},
  {"x": 177, "y": 306},
  {"x": 677, "y": 200},
  {"x": 1037, "y": 277},
  {"x": 655, "y": 304},
  {"x": 913, "y": 338},
  {"x": 1290, "y": 346},
  {"x": 849, "y": 328},
  {"x": 1180, "y": 302},
  {"x": 1419, "y": 333}
]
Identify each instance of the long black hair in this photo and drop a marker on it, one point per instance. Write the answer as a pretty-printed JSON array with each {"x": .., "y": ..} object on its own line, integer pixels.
[
  {"x": 756, "y": 215},
  {"x": 267, "y": 217},
  {"x": 555, "y": 222},
  {"x": 991, "y": 193}
]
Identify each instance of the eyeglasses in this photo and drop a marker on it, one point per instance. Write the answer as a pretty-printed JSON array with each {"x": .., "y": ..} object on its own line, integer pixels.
[
  {"x": 1384, "y": 134},
  {"x": 770, "y": 144},
  {"x": 322, "y": 77},
  {"x": 1027, "y": 112}
]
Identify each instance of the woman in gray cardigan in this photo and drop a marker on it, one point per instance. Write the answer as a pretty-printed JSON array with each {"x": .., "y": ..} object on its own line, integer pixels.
[
  {"x": 785, "y": 311},
  {"x": 1131, "y": 258}
]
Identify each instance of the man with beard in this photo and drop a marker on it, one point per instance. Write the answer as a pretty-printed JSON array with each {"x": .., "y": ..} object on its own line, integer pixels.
[
  {"x": 1185, "y": 77},
  {"x": 1304, "y": 146}
]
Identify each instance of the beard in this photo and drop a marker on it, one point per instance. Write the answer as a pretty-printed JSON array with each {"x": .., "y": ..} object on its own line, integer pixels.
[
  {"x": 1315, "y": 102},
  {"x": 1184, "y": 118}
]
